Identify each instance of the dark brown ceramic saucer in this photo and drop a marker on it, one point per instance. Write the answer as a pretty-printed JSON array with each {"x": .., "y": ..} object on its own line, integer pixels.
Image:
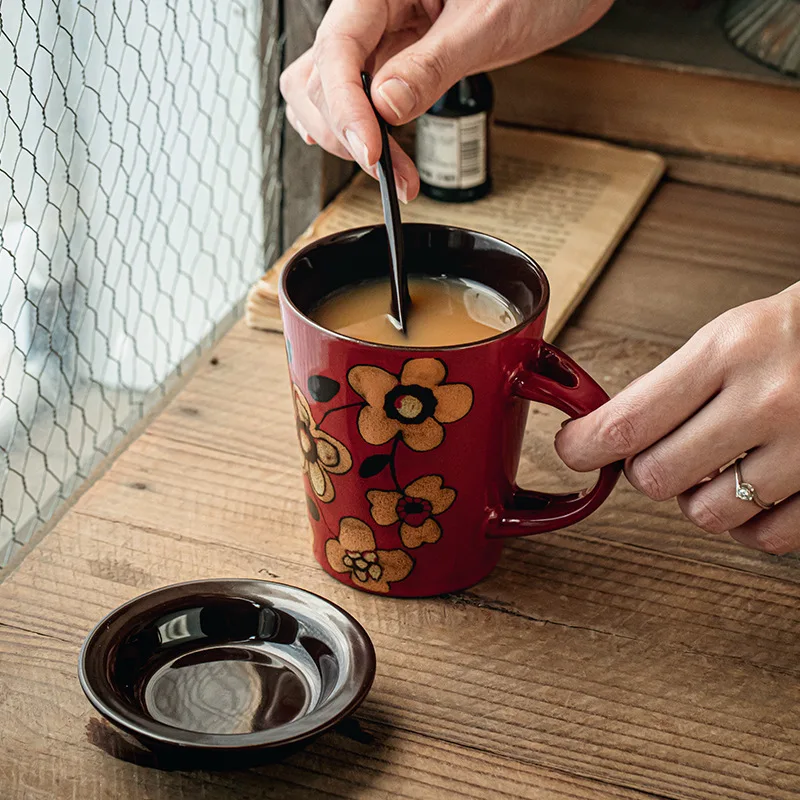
[{"x": 226, "y": 667}]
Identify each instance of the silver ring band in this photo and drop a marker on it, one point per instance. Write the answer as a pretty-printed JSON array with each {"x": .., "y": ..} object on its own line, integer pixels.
[{"x": 746, "y": 491}]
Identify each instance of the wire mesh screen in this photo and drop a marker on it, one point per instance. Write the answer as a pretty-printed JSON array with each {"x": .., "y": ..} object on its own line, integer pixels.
[{"x": 132, "y": 155}]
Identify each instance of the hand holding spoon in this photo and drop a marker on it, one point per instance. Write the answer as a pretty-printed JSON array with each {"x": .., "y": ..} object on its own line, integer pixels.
[{"x": 401, "y": 300}]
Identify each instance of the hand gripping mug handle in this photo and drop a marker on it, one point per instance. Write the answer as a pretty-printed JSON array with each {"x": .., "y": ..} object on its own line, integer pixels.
[{"x": 561, "y": 383}]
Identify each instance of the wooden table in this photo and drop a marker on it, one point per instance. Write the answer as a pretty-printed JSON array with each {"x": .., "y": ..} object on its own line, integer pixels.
[{"x": 630, "y": 656}]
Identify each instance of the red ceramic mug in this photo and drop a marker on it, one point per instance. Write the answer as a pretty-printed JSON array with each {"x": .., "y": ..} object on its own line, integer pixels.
[{"x": 410, "y": 454}]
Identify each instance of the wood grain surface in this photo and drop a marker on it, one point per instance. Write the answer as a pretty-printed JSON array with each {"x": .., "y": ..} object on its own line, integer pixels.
[
  {"x": 745, "y": 178},
  {"x": 629, "y": 657},
  {"x": 660, "y": 106}
]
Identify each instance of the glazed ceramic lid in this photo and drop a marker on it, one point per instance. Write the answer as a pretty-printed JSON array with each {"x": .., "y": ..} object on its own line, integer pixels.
[{"x": 227, "y": 665}]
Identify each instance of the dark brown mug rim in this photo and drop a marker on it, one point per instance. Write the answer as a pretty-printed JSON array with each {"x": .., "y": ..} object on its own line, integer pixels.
[{"x": 535, "y": 268}]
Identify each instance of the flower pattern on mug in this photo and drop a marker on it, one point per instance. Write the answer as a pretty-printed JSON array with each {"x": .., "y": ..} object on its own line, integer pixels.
[
  {"x": 354, "y": 551},
  {"x": 415, "y": 508},
  {"x": 323, "y": 455},
  {"x": 413, "y": 405}
]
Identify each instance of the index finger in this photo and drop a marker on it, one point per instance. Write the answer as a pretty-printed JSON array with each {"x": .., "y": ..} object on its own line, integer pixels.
[
  {"x": 349, "y": 33},
  {"x": 645, "y": 411}
]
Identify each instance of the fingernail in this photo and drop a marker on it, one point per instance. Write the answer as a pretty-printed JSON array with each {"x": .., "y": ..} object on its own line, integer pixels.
[
  {"x": 402, "y": 188},
  {"x": 565, "y": 423},
  {"x": 398, "y": 96},
  {"x": 357, "y": 148}
]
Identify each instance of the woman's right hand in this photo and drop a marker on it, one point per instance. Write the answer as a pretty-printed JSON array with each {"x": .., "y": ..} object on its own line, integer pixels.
[{"x": 416, "y": 50}]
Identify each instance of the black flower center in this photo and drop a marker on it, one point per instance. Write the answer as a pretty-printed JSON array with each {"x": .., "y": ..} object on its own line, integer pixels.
[
  {"x": 410, "y": 405},
  {"x": 307, "y": 443},
  {"x": 414, "y": 510}
]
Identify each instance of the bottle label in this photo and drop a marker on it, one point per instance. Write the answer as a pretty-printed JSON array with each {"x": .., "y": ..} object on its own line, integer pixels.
[{"x": 451, "y": 151}]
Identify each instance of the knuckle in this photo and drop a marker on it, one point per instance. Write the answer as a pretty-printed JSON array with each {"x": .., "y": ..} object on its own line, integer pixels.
[
  {"x": 731, "y": 334},
  {"x": 283, "y": 83},
  {"x": 314, "y": 86},
  {"x": 701, "y": 512},
  {"x": 320, "y": 51},
  {"x": 328, "y": 141},
  {"x": 498, "y": 16},
  {"x": 649, "y": 476},
  {"x": 321, "y": 43},
  {"x": 293, "y": 79},
  {"x": 773, "y": 541},
  {"x": 432, "y": 64},
  {"x": 777, "y": 401},
  {"x": 330, "y": 43},
  {"x": 292, "y": 74},
  {"x": 617, "y": 435},
  {"x": 791, "y": 376}
]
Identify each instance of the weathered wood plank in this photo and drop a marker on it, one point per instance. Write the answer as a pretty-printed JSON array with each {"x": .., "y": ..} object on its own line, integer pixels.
[
  {"x": 631, "y": 711},
  {"x": 660, "y": 106},
  {"x": 694, "y": 253},
  {"x": 362, "y": 758},
  {"x": 629, "y": 656},
  {"x": 745, "y": 178},
  {"x": 310, "y": 176},
  {"x": 271, "y": 125}
]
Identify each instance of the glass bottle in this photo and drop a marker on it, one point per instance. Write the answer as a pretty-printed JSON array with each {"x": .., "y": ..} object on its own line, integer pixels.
[{"x": 452, "y": 142}]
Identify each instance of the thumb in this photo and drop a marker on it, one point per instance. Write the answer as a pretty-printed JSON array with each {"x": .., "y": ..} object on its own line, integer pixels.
[{"x": 413, "y": 80}]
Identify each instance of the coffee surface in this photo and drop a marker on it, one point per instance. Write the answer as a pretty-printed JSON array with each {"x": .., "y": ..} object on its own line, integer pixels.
[{"x": 444, "y": 311}]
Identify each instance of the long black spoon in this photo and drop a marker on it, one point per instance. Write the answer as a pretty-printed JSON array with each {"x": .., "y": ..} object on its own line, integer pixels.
[{"x": 401, "y": 300}]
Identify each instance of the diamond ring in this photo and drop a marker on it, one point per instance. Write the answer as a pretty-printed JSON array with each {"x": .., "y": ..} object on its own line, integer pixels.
[{"x": 746, "y": 491}]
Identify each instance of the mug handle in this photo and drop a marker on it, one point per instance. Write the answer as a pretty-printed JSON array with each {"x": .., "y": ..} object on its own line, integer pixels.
[{"x": 561, "y": 383}]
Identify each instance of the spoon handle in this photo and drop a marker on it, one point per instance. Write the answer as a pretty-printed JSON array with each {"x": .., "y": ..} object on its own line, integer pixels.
[{"x": 391, "y": 217}]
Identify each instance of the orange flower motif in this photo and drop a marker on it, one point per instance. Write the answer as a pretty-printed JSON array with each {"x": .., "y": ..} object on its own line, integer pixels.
[
  {"x": 323, "y": 455},
  {"x": 415, "y": 507},
  {"x": 414, "y": 405},
  {"x": 354, "y": 552}
]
